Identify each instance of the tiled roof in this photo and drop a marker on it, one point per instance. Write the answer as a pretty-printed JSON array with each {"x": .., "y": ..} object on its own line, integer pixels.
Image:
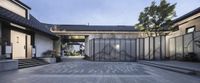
[
  {"x": 187, "y": 15},
  {"x": 22, "y": 4},
  {"x": 93, "y": 28},
  {"x": 31, "y": 23}
]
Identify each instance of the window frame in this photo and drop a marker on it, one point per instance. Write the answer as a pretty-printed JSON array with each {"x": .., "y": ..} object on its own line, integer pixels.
[{"x": 187, "y": 29}]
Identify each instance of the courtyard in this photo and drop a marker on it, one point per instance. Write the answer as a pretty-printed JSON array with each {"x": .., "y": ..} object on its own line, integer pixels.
[
  {"x": 99, "y": 41},
  {"x": 80, "y": 71}
]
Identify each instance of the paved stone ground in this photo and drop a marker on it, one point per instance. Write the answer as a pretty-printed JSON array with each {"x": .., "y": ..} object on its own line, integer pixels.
[
  {"x": 95, "y": 72},
  {"x": 188, "y": 65}
]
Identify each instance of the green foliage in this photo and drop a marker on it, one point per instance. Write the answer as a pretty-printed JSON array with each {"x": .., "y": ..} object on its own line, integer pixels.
[
  {"x": 156, "y": 17},
  {"x": 197, "y": 42},
  {"x": 49, "y": 54},
  {"x": 72, "y": 53},
  {"x": 2, "y": 57},
  {"x": 191, "y": 57}
]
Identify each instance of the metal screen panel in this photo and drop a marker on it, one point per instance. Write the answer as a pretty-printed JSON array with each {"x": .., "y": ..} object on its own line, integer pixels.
[
  {"x": 188, "y": 44},
  {"x": 114, "y": 49},
  {"x": 107, "y": 55},
  {"x": 133, "y": 50},
  {"x": 141, "y": 49},
  {"x": 157, "y": 48},
  {"x": 151, "y": 48},
  {"x": 146, "y": 48},
  {"x": 101, "y": 50},
  {"x": 197, "y": 44},
  {"x": 138, "y": 47},
  {"x": 128, "y": 50},
  {"x": 96, "y": 47},
  {"x": 90, "y": 48},
  {"x": 163, "y": 47},
  {"x": 117, "y": 43},
  {"x": 179, "y": 47},
  {"x": 122, "y": 50},
  {"x": 172, "y": 48}
]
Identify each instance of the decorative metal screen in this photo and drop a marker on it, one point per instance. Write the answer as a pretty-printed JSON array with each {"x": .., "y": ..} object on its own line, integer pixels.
[
  {"x": 188, "y": 43},
  {"x": 146, "y": 48},
  {"x": 151, "y": 48},
  {"x": 113, "y": 49},
  {"x": 197, "y": 44},
  {"x": 157, "y": 48},
  {"x": 172, "y": 47},
  {"x": 179, "y": 47}
]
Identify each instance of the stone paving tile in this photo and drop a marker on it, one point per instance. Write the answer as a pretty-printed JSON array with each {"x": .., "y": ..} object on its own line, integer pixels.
[
  {"x": 97, "y": 68},
  {"x": 95, "y": 72}
]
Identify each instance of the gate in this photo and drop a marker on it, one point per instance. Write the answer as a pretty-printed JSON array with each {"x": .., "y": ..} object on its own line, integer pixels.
[{"x": 113, "y": 50}]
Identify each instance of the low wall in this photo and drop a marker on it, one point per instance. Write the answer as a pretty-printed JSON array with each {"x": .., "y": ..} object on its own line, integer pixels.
[{"x": 6, "y": 65}]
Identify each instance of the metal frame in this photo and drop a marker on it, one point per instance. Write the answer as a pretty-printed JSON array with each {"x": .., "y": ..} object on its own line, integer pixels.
[{"x": 128, "y": 56}]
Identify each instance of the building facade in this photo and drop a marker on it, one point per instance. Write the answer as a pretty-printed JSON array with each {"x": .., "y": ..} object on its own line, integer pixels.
[{"x": 22, "y": 36}]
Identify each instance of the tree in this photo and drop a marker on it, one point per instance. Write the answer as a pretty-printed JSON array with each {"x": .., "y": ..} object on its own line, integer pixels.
[{"x": 156, "y": 18}]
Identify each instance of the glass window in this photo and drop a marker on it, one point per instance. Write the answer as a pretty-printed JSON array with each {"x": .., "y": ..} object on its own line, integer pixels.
[{"x": 190, "y": 29}]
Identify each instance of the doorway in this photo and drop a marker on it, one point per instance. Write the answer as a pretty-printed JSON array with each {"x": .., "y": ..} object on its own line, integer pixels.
[
  {"x": 21, "y": 45},
  {"x": 73, "y": 45}
]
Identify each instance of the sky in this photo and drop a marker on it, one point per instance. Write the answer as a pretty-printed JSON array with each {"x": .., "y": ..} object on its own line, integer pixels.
[{"x": 98, "y": 12}]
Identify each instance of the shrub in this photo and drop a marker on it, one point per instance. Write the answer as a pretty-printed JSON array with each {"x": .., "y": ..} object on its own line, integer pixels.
[
  {"x": 2, "y": 57},
  {"x": 190, "y": 57},
  {"x": 58, "y": 59},
  {"x": 52, "y": 54},
  {"x": 48, "y": 54}
]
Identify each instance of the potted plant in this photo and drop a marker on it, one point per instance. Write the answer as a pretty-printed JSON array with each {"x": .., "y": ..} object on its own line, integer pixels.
[
  {"x": 191, "y": 57},
  {"x": 49, "y": 57}
]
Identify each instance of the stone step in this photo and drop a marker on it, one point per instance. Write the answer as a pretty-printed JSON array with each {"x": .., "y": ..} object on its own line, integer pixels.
[
  {"x": 25, "y": 63},
  {"x": 179, "y": 67},
  {"x": 31, "y": 64},
  {"x": 175, "y": 69}
]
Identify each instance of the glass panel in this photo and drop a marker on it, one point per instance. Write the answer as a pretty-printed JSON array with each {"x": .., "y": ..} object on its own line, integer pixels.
[
  {"x": 188, "y": 44},
  {"x": 179, "y": 48},
  {"x": 122, "y": 50},
  {"x": 107, "y": 49},
  {"x": 97, "y": 54},
  {"x": 172, "y": 48},
  {"x": 117, "y": 48},
  {"x": 138, "y": 47},
  {"x": 141, "y": 48},
  {"x": 163, "y": 42},
  {"x": 101, "y": 50},
  {"x": 133, "y": 50},
  {"x": 197, "y": 44},
  {"x": 128, "y": 50},
  {"x": 151, "y": 48},
  {"x": 112, "y": 50},
  {"x": 147, "y": 48},
  {"x": 157, "y": 48}
]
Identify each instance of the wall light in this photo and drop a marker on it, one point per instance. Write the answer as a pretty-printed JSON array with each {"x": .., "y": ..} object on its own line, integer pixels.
[{"x": 117, "y": 46}]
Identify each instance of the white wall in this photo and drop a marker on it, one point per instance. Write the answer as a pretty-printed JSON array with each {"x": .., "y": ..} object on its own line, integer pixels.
[
  {"x": 0, "y": 35},
  {"x": 13, "y": 7},
  {"x": 42, "y": 44}
]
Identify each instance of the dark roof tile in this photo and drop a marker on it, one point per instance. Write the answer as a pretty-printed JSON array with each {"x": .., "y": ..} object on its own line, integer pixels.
[
  {"x": 32, "y": 23},
  {"x": 93, "y": 28},
  {"x": 187, "y": 15}
]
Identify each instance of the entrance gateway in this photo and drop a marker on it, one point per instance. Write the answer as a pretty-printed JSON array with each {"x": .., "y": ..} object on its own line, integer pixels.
[{"x": 21, "y": 45}]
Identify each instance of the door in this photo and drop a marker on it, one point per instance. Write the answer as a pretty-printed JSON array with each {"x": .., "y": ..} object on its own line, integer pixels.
[
  {"x": 18, "y": 41},
  {"x": 28, "y": 47}
]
